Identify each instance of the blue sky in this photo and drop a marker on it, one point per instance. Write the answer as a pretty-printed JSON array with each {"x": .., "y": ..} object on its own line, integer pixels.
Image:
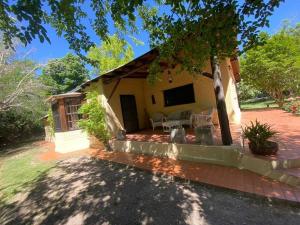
[{"x": 42, "y": 52}]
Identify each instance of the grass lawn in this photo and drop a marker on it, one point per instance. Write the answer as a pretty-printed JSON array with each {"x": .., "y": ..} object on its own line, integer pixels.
[
  {"x": 258, "y": 105},
  {"x": 20, "y": 169}
]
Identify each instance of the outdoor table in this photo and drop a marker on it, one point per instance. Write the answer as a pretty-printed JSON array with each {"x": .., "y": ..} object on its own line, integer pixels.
[{"x": 171, "y": 124}]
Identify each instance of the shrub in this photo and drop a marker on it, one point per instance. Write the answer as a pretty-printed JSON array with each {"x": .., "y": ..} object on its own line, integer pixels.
[
  {"x": 93, "y": 121},
  {"x": 258, "y": 133},
  {"x": 17, "y": 125},
  {"x": 292, "y": 107}
]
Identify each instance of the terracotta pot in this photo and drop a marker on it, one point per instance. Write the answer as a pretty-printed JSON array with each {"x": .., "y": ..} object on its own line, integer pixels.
[
  {"x": 270, "y": 148},
  {"x": 96, "y": 143}
]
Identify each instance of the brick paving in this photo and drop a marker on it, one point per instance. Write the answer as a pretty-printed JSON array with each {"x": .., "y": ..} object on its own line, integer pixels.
[
  {"x": 221, "y": 176},
  {"x": 286, "y": 124}
]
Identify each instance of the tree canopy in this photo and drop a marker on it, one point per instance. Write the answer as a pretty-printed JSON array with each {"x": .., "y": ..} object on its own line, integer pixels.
[
  {"x": 64, "y": 74},
  {"x": 18, "y": 83},
  {"x": 21, "y": 96},
  {"x": 212, "y": 24},
  {"x": 111, "y": 54},
  {"x": 275, "y": 66}
]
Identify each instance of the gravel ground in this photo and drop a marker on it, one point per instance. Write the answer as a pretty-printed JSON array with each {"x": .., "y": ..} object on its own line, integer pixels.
[{"x": 87, "y": 191}]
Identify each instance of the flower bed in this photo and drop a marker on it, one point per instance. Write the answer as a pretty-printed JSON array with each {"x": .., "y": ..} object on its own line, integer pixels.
[{"x": 292, "y": 107}]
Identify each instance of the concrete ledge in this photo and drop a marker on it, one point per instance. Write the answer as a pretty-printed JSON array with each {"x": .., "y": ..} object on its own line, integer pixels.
[
  {"x": 220, "y": 155},
  {"x": 71, "y": 141}
]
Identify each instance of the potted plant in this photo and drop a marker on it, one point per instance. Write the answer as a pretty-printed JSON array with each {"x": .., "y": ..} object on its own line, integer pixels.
[{"x": 258, "y": 135}]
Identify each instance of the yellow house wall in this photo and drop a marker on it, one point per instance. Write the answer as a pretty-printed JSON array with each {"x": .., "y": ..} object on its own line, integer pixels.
[
  {"x": 142, "y": 90},
  {"x": 204, "y": 94},
  {"x": 127, "y": 87},
  {"x": 203, "y": 89}
]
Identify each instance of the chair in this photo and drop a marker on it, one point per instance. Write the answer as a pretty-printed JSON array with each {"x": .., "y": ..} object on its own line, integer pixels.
[
  {"x": 203, "y": 126},
  {"x": 182, "y": 116},
  {"x": 202, "y": 119},
  {"x": 157, "y": 120}
]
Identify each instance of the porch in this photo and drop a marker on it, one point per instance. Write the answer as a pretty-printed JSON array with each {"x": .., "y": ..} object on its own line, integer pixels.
[
  {"x": 158, "y": 135},
  {"x": 283, "y": 167}
]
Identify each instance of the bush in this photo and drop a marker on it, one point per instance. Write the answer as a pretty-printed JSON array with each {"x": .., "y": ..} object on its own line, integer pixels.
[
  {"x": 292, "y": 107},
  {"x": 18, "y": 125},
  {"x": 93, "y": 121}
]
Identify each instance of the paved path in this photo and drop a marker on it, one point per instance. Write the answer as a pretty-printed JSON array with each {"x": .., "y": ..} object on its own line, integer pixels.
[
  {"x": 86, "y": 191},
  {"x": 221, "y": 176}
]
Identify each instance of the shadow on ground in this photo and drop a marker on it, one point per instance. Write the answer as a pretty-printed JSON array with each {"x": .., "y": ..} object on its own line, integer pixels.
[{"x": 88, "y": 191}]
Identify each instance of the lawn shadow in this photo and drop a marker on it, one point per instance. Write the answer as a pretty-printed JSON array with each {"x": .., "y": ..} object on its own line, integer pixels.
[{"x": 88, "y": 191}]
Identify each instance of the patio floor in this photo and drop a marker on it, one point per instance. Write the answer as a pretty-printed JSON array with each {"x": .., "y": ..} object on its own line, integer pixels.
[{"x": 285, "y": 123}]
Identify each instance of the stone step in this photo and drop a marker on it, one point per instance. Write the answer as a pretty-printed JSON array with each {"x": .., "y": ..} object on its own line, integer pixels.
[
  {"x": 290, "y": 176},
  {"x": 286, "y": 163}
]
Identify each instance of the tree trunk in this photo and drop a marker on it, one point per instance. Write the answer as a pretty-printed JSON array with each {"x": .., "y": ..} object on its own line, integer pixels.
[{"x": 220, "y": 100}]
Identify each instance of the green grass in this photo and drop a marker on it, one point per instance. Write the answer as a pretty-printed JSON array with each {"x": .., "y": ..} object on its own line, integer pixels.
[
  {"x": 259, "y": 105},
  {"x": 20, "y": 170}
]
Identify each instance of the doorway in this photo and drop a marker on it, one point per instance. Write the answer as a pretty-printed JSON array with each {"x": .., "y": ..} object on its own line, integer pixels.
[{"x": 129, "y": 113}]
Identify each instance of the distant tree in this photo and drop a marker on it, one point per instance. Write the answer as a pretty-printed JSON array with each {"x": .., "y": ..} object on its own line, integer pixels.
[
  {"x": 64, "y": 74},
  {"x": 18, "y": 83},
  {"x": 111, "y": 54},
  {"x": 275, "y": 66},
  {"x": 246, "y": 91},
  {"x": 21, "y": 97}
]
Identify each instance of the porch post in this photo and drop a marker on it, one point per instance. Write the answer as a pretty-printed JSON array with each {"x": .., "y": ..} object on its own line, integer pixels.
[
  {"x": 220, "y": 100},
  {"x": 62, "y": 115}
]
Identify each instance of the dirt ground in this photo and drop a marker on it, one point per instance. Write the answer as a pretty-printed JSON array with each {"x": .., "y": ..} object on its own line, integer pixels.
[{"x": 88, "y": 191}]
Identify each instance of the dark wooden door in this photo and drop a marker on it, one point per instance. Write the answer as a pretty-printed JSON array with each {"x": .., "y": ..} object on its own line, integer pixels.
[{"x": 129, "y": 112}]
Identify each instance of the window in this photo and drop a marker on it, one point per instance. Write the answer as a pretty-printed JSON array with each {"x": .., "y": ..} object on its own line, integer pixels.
[
  {"x": 180, "y": 95},
  {"x": 72, "y": 106}
]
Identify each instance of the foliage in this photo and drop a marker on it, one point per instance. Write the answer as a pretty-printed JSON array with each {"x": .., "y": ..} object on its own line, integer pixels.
[
  {"x": 21, "y": 97},
  {"x": 20, "y": 170},
  {"x": 113, "y": 53},
  {"x": 258, "y": 133},
  {"x": 246, "y": 91},
  {"x": 275, "y": 66},
  {"x": 18, "y": 83},
  {"x": 64, "y": 74},
  {"x": 212, "y": 25},
  {"x": 94, "y": 117},
  {"x": 16, "y": 125},
  {"x": 292, "y": 106}
]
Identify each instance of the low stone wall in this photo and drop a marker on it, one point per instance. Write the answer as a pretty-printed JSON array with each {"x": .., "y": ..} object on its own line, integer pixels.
[
  {"x": 220, "y": 155},
  {"x": 71, "y": 141}
]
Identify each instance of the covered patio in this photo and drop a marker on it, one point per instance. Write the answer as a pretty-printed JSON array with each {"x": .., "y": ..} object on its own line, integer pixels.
[{"x": 158, "y": 135}]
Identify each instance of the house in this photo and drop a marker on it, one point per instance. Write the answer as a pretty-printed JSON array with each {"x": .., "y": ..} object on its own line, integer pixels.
[{"x": 130, "y": 100}]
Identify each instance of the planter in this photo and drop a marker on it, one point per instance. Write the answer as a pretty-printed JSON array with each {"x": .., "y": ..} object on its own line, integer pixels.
[
  {"x": 270, "y": 148},
  {"x": 96, "y": 143}
]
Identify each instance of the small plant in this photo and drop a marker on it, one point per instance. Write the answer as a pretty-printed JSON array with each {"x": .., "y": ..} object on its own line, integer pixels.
[
  {"x": 93, "y": 121},
  {"x": 258, "y": 135}
]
